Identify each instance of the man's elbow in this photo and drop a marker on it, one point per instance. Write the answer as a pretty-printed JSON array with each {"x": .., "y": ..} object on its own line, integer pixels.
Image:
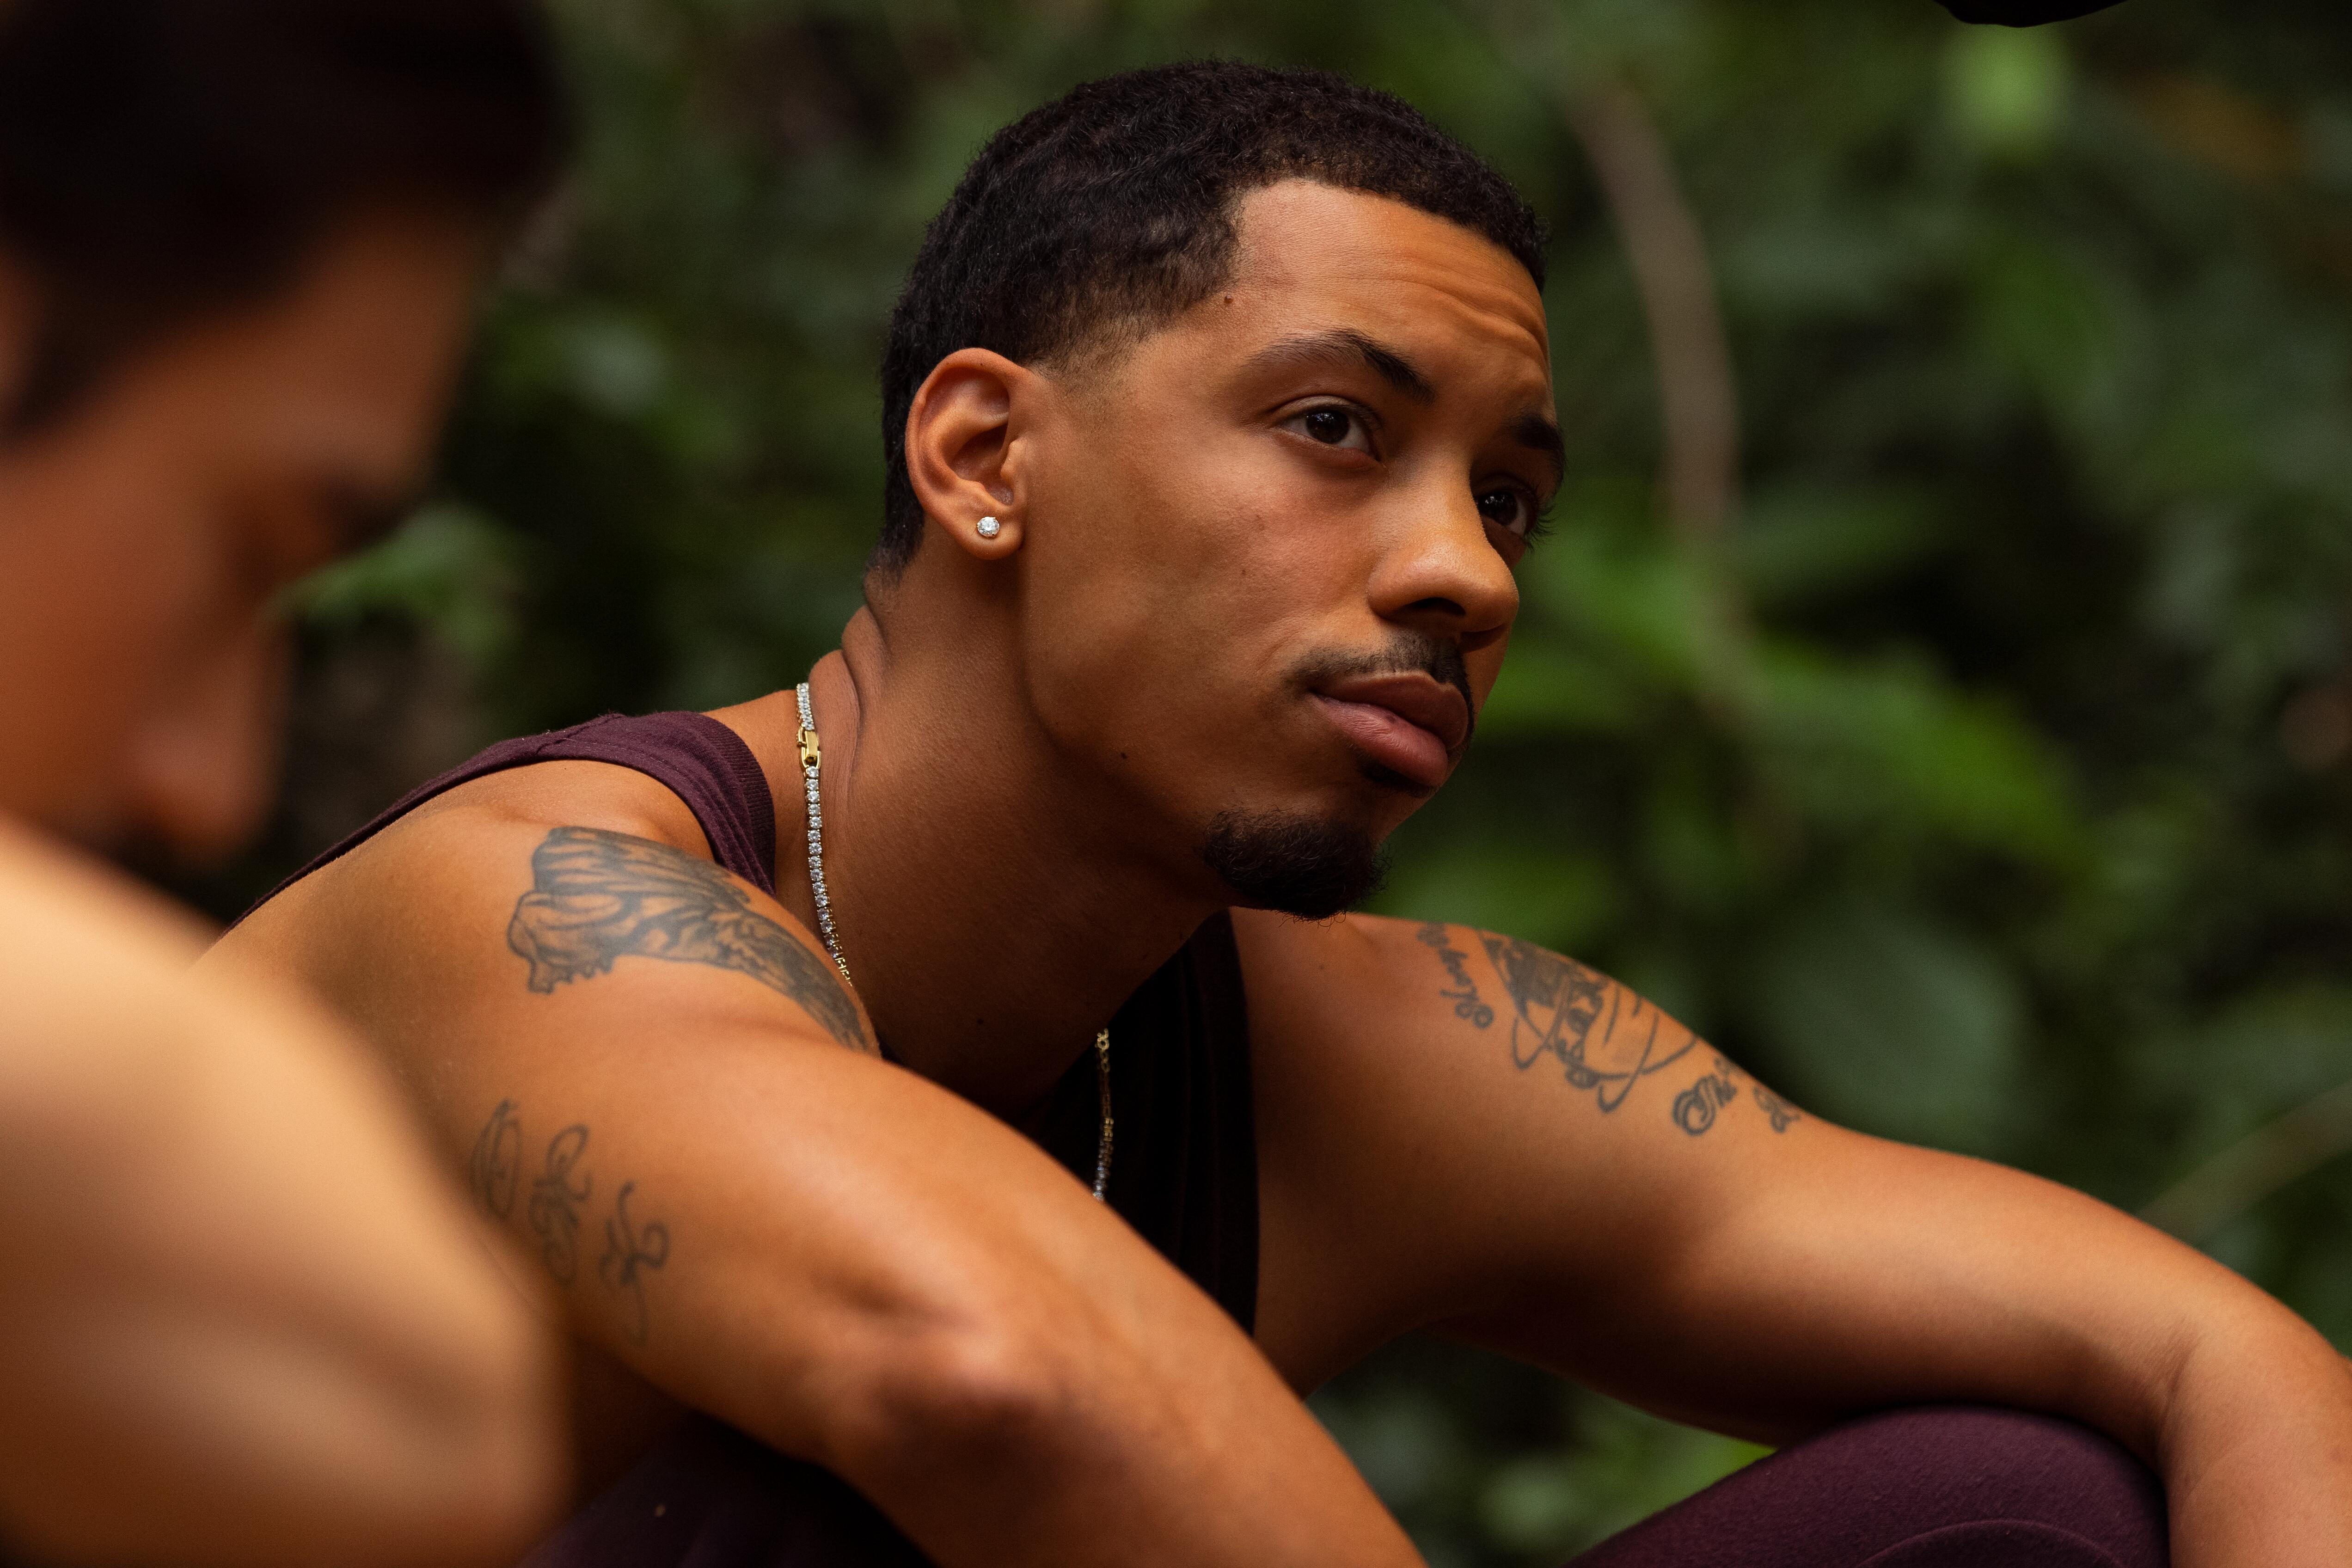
[{"x": 1015, "y": 1392}]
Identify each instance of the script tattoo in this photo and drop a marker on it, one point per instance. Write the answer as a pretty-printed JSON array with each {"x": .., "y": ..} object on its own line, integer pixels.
[
  {"x": 628, "y": 1250},
  {"x": 497, "y": 1165},
  {"x": 1467, "y": 1004},
  {"x": 1604, "y": 1037},
  {"x": 1695, "y": 1107},
  {"x": 557, "y": 1195},
  {"x": 597, "y": 897},
  {"x": 555, "y": 1204},
  {"x": 1779, "y": 1109}
]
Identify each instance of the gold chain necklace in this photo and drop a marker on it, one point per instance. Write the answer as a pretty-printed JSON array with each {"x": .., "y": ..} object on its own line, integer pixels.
[{"x": 811, "y": 759}]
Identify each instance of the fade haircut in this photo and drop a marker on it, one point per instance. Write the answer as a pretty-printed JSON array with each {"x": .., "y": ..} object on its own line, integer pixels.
[
  {"x": 1112, "y": 209},
  {"x": 165, "y": 161}
]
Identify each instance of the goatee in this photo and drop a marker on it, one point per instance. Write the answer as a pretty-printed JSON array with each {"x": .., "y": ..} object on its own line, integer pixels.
[{"x": 1311, "y": 867}]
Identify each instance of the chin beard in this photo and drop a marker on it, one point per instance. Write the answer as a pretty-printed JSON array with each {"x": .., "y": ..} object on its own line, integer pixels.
[{"x": 1311, "y": 867}]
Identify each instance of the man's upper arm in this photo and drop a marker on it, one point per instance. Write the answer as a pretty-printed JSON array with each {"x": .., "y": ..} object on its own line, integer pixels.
[
  {"x": 1525, "y": 1154},
  {"x": 1508, "y": 1129}
]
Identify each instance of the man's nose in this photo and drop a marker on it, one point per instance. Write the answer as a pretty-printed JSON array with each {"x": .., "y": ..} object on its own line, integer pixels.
[{"x": 1441, "y": 572}]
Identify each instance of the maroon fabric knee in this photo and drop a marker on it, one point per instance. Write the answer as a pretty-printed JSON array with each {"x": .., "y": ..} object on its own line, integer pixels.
[
  {"x": 1958, "y": 1487},
  {"x": 709, "y": 1497},
  {"x": 1914, "y": 1489}
]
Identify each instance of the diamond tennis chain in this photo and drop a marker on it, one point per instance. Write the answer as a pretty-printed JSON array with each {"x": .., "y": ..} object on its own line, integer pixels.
[{"x": 811, "y": 759}]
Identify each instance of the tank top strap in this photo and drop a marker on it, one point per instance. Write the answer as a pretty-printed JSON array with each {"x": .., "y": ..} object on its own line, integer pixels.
[{"x": 694, "y": 756}]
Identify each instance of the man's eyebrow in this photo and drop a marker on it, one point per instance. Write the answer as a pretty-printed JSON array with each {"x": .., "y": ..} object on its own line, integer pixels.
[
  {"x": 1538, "y": 434},
  {"x": 1344, "y": 345}
]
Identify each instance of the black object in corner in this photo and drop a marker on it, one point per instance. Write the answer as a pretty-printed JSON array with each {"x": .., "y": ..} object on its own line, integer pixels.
[{"x": 2023, "y": 13}]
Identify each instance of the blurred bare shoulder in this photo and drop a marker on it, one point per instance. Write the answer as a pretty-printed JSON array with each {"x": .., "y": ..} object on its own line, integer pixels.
[{"x": 222, "y": 1220}]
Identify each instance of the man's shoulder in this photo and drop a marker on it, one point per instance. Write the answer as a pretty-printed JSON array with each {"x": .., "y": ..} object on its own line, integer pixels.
[
  {"x": 572, "y": 870},
  {"x": 1377, "y": 960},
  {"x": 101, "y": 1023},
  {"x": 469, "y": 833},
  {"x": 1368, "y": 997},
  {"x": 455, "y": 865}
]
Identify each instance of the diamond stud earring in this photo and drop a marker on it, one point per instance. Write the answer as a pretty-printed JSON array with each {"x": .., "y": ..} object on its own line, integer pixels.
[{"x": 989, "y": 528}]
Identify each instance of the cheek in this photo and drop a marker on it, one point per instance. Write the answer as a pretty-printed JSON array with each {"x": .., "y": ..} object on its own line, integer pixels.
[{"x": 152, "y": 597}]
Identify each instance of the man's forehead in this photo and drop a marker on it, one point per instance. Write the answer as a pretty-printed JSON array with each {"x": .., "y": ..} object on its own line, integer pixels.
[{"x": 1304, "y": 245}]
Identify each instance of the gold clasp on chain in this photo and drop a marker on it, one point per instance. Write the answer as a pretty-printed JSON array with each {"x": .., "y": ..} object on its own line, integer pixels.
[{"x": 811, "y": 757}]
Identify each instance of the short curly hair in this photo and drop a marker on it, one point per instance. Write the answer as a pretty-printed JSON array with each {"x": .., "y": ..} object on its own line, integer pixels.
[{"x": 1112, "y": 208}]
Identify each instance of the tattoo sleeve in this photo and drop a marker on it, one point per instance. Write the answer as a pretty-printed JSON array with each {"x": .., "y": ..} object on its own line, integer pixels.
[
  {"x": 1602, "y": 1038},
  {"x": 597, "y": 897}
]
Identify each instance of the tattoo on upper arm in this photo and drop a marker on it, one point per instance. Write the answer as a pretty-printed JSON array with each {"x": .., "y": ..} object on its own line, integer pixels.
[
  {"x": 1695, "y": 1107},
  {"x": 627, "y": 1250},
  {"x": 1603, "y": 1038},
  {"x": 1464, "y": 995},
  {"x": 1780, "y": 1111},
  {"x": 597, "y": 897},
  {"x": 555, "y": 1203},
  {"x": 633, "y": 1246},
  {"x": 497, "y": 1165}
]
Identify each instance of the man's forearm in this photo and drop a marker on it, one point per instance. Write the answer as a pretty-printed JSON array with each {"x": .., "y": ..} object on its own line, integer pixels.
[{"x": 2256, "y": 1445}]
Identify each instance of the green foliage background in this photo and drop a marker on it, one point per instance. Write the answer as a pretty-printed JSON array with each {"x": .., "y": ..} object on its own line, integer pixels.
[{"x": 1983, "y": 784}]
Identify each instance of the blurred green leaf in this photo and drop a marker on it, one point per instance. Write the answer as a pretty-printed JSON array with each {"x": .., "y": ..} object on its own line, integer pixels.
[
  {"x": 1893, "y": 1024},
  {"x": 2007, "y": 88},
  {"x": 1887, "y": 742},
  {"x": 448, "y": 569},
  {"x": 1797, "y": 544}
]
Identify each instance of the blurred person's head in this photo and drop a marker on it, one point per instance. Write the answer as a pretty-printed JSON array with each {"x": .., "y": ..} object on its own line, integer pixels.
[
  {"x": 1250, "y": 369},
  {"x": 238, "y": 241}
]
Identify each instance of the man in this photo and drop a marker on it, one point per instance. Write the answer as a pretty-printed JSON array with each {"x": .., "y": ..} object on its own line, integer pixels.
[
  {"x": 1218, "y": 411},
  {"x": 245, "y": 1322}
]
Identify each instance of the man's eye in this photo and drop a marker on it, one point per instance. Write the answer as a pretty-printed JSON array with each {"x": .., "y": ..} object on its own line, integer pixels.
[
  {"x": 1332, "y": 426},
  {"x": 1509, "y": 509}
]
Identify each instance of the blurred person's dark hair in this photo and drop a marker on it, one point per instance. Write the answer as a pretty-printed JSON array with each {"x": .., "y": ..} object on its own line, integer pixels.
[
  {"x": 165, "y": 161},
  {"x": 1111, "y": 210}
]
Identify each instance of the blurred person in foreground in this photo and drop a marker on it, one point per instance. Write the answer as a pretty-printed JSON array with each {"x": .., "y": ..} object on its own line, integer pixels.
[
  {"x": 242, "y": 1319},
  {"x": 792, "y": 1038}
]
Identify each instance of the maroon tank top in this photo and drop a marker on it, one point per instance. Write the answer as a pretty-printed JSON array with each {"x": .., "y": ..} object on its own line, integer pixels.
[{"x": 1184, "y": 1174}]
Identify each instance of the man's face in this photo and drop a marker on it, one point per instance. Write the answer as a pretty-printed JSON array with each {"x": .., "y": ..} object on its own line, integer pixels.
[
  {"x": 1277, "y": 537},
  {"x": 143, "y": 535}
]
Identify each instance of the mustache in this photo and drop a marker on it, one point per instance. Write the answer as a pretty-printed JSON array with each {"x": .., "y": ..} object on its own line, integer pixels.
[{"x": 1408, "y": 653}]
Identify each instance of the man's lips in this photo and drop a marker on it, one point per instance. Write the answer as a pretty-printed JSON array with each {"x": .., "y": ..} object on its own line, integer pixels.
[{"x": 1410, "y": 724}]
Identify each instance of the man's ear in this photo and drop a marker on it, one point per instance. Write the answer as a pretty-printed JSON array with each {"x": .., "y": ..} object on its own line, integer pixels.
[{"x": 964, "y": 450}]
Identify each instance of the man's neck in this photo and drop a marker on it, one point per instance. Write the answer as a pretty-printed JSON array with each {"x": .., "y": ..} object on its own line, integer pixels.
[{"x": 992, "y": 913}]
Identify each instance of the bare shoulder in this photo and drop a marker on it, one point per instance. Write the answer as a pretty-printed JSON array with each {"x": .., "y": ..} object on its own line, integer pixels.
[
  {"x": 120, "y": 1062},
  {"x": 533, "y": 882},
  {"x": 98, "y": 1018}
]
